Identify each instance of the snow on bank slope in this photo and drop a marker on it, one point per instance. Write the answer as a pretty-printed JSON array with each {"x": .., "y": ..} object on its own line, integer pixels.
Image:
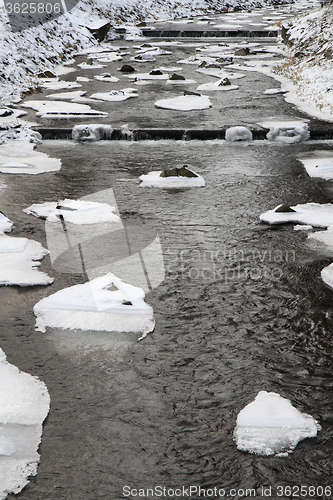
[
  {"x": 310, "y": 63},
  {"x": 24, "y": 54}
]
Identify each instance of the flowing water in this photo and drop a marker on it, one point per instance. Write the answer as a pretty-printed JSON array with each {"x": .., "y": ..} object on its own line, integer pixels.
[{"x": 241, "y": 309}]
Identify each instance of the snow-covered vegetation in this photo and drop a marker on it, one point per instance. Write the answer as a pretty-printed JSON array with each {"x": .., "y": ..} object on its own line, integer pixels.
[{"x": 309, "y": 63}]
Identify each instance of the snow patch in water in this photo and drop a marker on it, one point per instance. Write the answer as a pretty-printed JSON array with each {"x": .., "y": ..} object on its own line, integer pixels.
[
  {"x": 270, "y": 425},
  {"x": 20, "y": 157},
  {"x": 103, "y": 304},
  {"x": 185, "y": 103}
]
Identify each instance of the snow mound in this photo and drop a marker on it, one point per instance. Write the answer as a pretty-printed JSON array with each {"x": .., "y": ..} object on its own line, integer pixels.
[
  {"x": 22, "y": 158},
  {"x": 165, "y": 179},
  {"x": 185, "y": 103},
  {"x": 91, "y": 132},
  {"x": 270, "y": 425},
  {"x": 24, "y": 405},
  {"x": 74, "y": 211},
  {"x": 19, "y": 262},
  {"x": 238, "y": 134},
  {"x": 289, "y": 135},
  {"x": 103, "y": 304},
  {"x": 314, "y": 214}
]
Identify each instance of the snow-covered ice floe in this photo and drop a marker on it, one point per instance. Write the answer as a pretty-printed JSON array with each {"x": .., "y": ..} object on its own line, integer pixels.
[
  {"x": 91, "y": 132},
  {"x": 19, "y": 259},
  {"x": 172, "y": 179},
  {"x": 185, "y": 103},
  {"x": 59, "y": 85},
  {"x": 59, "y": 109},
  {"x": 24, "y": 405},
  {"x": 106, "y": 78},
  {"x": 74, "y": 211},
  {"x": 219, "y": 73},
  {"x": 270, "y": 425},
  {"x": 223, "y": 84},
  {"x": 116, "y": 95},
  {"x": 153, "y": 75},
  {"x": 103, "y": 304},
  {"x": 20, "y": 157},
  {"x": 314, "y": 214},
  {"x": 318, "y": 164},
  {"x": 75, "y": 94},
  {"x": 238, "y": 134}
]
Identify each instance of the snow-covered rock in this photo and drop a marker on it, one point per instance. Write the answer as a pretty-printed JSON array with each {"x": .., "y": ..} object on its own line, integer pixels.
[
  {"x": 91, "y": 132},
  {"x": 238, "y": 134},
  {"x": 314, "y": 214},
  {"x": 172, "y": 179},
  {"x": 270, "y": 425},
  {"x": 289, "y": 135},
  {"x": 103, "y": 304},
  {"x": 24, "y": 405}
]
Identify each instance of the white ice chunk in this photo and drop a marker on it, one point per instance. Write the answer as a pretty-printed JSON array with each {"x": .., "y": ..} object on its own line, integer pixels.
[
  {"x": 5, "y": 224},
  {"x": 154, "y": 179},
  {"x": 91, "y": 133},
  {"x": 20, "y": 157},
  {"x": 149, "y": 76},
  {"x": 104, "y": 304},
  {"x": 94, "y": 65},
  {"x": 303, "y": 227},
  {"x": 115, "y": 95},
  {"x": 52, "y": 85},
  {"x": 67, "y": 95},
  {"x": 274, "y": 91},
  {"x": 327, "y": 275},
  {"x": 238, "y": 134},
  {"x": 49, "y": 109},
  {"x": 19, "y": 262},
  {"x": 219, "y": 85},
  {"x": 314, "y": 214},
  {"x": 319, "y": 166},
  {"x": 220, "y": 73},
  {"x": 74, "y": 211},
  {"x": 107, "y": 78},
  {"x": 270, "y": 425},
  {"x": 185, "y": 103},
  {"x": 24, "y": 405}
]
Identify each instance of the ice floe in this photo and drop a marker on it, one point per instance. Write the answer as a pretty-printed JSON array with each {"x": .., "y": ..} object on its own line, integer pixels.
[
  {"x": 223, "y": 84},
  {"x": 91, "y": 132},
  {"x": 19, "y": 261},
  {"x": 238, "y": 134},
  {"x": 318, "y": 164},
  {"x": 314, "y": 214},
  {"x": 51, "y": 85},
  {"x": 24, "y": 405},
  {"x": 103, "y": 304},
  {"x": 106, "y": 77},
  {"x": 179, "y": 80},
  {"x": 175, "y": 178},
  {"x": 185, "y": 103},
  {"x": 221, "y": 74},
  {"x": 274, "y": 91},
  {"x": 21, "y": 157},
  {"x": 92, "y": 65},
  {"x": 67, "y": 95},
  {"x": 74, "y": 211},
  {"x": 153, "y": 75},
  {"x": 270, "y": 425},
  {"x": 62, "y": 109},
  {"x": 116, "y": 95}
]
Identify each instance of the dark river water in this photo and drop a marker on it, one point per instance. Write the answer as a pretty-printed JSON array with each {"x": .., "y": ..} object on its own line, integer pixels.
[{"x": 242, "y": 308}]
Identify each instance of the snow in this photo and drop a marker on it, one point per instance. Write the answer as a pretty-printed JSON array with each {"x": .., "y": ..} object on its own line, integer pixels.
[
  {"x": 270, "y": 425},
  {"x": 314, "y": 214},
  {"x": 103, "y": 304},
  {"x": 154, "y": 179},
  {"x": 62, "y": 109},
  {"x": 149, "y": 76},
  {"x": 91, "y": 132},
  {"x": 5, "y": 224},
  {"x": 19, "y": 262},
  {"x": 106, "y": 78},
  {"x": 20, "y": 157},
  {"x": 220, "y": 73},
  {"x": 238, "y": 134},
  {"x": 116, "y": 95},
  {"x": 66, "y": 95},
  {"x": 289, "y": 135},
  {"x": 319, "y": 164},
  {"x": 51, "y": 85},
  {"x": 24, "y": 405},
  {"x": 74, "y": 212},
  {"x": 185, "y": 103},
  {"x": 219, "y": 85}
]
